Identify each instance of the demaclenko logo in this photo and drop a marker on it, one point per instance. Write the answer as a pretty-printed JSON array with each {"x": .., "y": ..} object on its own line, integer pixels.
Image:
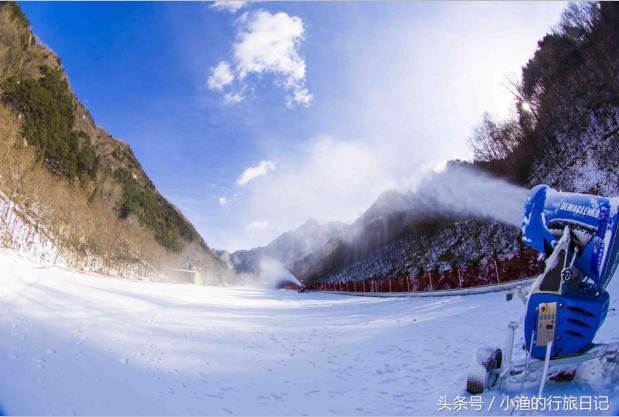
[{"x": 579, "y": 209}]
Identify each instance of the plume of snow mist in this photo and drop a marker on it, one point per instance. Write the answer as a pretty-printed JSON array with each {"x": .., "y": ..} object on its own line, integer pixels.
[
  {"x": 272, "y": 275},
  {"x": 467, "y": 191}
]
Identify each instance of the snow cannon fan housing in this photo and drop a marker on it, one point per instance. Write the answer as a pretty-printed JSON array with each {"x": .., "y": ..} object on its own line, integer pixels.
[
  {"x": 577, "y": 234},
  {"x": 592, "y": 221}
]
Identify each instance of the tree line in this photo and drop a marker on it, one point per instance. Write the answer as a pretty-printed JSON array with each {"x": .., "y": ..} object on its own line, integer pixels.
[{"x": 567, "y": 99}]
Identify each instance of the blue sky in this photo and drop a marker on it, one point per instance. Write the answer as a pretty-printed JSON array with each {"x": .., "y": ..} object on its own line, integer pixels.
[{"x": 316, "y": 109}]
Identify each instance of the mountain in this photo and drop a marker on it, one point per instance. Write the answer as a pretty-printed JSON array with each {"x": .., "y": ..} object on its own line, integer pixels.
[
  {"x": 400, "y": 233},
  {"x": 313, "y": 249},
  {"x": 297, "y": 249},
  {"x": 84, "y": 185},
  {"x": 404, "y": 234},
  {"x": 288, "y": 247}
]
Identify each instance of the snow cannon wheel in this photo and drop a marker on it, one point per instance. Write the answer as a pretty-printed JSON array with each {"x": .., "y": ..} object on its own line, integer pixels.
[{"x": 480, "y": 372}]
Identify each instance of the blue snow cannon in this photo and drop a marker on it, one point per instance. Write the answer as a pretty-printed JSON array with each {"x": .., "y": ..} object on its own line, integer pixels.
[{"x": 576, "y": 234}]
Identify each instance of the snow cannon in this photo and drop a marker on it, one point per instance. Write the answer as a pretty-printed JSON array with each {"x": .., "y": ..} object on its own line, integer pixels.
[
  {"x": 592, "y": 225},
  {"x": 577, "y": 237}
]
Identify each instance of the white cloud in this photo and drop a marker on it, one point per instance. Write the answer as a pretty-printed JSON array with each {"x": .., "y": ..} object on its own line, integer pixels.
[
  {"x": 231, "y": 6},
  {"x": 233, "y": 98},
  {"x": 266, "y": 43},
  {"x": 257, "y": 225},
  {"x": 221, "y": 76},
  {"x": 252, "y": 173},
  {"x": 299, "y": 96},
  {"x": 222, "y": 201},
  {"x": 270, "y": 43}
]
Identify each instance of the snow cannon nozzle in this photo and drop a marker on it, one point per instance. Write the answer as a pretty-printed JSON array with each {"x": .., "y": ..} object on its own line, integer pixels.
[{"x": 592, "y": 222}]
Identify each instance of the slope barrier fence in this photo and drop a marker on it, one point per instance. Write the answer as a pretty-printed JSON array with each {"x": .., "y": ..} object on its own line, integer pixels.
[{"x": 497, "y": 271}]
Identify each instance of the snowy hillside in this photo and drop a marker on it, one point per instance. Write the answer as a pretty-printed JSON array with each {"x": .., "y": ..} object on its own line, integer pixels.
[
  {"x": 79, "y": 181},
  {"x": 78, "y": 343},
  {"x": 22, "y": 233}
]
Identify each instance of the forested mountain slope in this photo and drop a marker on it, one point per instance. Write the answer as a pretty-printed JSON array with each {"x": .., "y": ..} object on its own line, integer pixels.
[{"x": 86, "y": 187}]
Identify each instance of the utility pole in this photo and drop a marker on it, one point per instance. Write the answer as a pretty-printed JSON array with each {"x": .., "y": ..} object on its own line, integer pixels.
[{"x": 496, "y": 268}]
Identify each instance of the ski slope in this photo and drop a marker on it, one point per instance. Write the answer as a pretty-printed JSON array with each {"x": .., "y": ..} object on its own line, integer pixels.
[{"x": 73, "y": 343}]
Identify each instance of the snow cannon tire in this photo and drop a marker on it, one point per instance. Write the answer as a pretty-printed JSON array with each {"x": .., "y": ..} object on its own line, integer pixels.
[{"x": 483, "y": 362}]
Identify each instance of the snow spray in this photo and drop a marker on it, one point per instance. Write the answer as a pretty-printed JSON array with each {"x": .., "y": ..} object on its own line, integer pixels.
[
  {"x": 272, "y": 274},
  {"x": 464, "y": 190}
]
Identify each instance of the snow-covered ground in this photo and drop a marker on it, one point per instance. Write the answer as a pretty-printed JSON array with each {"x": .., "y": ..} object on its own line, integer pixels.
[{"x": 77, "y": 343}]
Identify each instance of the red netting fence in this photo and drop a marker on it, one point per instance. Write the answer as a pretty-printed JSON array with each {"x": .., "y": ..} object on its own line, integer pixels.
[{"x": 492, "y": 271}]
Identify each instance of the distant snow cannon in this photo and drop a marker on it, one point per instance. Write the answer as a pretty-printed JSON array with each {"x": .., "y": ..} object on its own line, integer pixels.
[
  {"x": 288, "y": 284},
  {"x": 577, "y": 237}
]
